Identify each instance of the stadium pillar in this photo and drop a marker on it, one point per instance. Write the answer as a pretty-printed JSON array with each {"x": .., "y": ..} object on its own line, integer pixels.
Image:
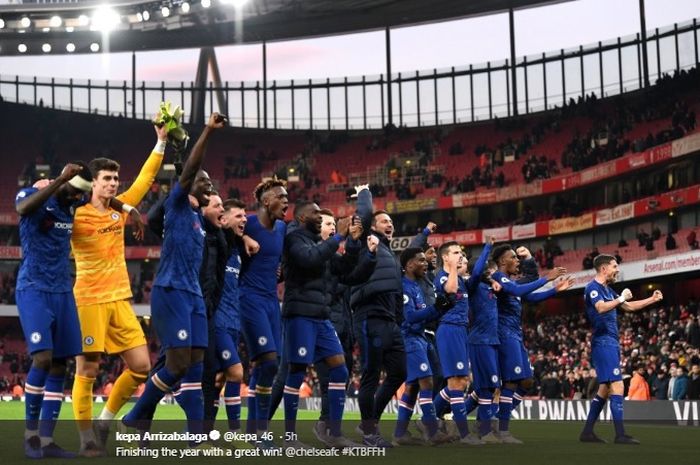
[
  {"x": 264, "y": 64},
  {"x": 513, "y": 80},
  {"x": 643, "y": 26},
  {"x": 207, "y": 58},
  {"x": 133, "y": 85},
  {"x": 390, "y": 119}
]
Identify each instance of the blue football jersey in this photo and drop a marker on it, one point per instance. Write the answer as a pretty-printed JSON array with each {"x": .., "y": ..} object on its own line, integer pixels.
[
  {"x": 260, "y": 270},
  {"x": 183, "y": 244},
  {"x": 45, "y": 240},
  {"x": 605, "y": 330},
  {"x": 510, "y": 307},
  {"x": 416, "y": 314},
  {"x": 457, "y": 315},
  {"x": 228, "y": 314},
  {"x": 483, "y": 316}
]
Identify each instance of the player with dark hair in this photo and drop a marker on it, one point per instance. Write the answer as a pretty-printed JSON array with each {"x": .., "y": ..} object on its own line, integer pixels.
[
  {"x": 602, "y": 303},
  {"x": 514, "y": 364},
  {"x": 309, "y": 335},
  {"x": 227, "y": 319},
  {"x": 376, "y": 305},
  {"x": 260, "y": 310},
  {"x": 177, "y": 308},
  {"x": 419, "y": 380},
  {"x": 45, "y": 301},
  {"x": 102, "y": 291}
]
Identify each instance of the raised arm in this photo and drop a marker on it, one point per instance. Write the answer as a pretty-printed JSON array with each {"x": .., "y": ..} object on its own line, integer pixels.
[
  {"x": 143, "y": 182},
  {"x": 636, "y": 305},
  {"x": 480, "y": 264},
  {"x": 364, "y": 207},
  {"x": 421, "y": 239},
  {"x": 194, "y": 161},
  {"x": 32, "y": 203}
]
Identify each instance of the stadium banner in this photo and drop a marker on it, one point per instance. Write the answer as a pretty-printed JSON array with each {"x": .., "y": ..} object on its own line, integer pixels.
[
  {"x": 500, "y": 234},
  {"x": 613, "y": 215},
  {"x": 403, "y": 206},
  {"x": 523, "y": 231},
  {"x": 682, "y": 412},
  {"x": 569, "y": 225},
  {"x": 685, "y": 145},
  {"x": 9, "y": 252},
  {"x": 400, "y": 243}
]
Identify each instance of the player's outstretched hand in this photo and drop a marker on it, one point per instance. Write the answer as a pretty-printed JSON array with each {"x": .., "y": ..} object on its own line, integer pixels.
[
  {"x": 627, "y": 294},
  {"x": 139, "y": 225},
  {"x": 564, "y": 284},
  {"x": 657, "y": 296},
  {"x": 251, "y": 246},
  {"x": 523, "y": 253},
  {"x": 359, "y": 189},
  {"x": 70, "y": 170},
  {"x": 372, "y": 243},
  {"x": 356, "y": 228},
  {"x": 496, "y": 286},
  {"x": 555, "y": 273},
  {"x": 161, "y": 128},
  {"x": 217, "y": 120},
  {"x": 432, "y": 227}
]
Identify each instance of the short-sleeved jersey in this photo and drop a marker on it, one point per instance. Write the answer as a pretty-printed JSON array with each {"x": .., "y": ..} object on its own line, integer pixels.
[
  {"x": 45, "y": 240},
  {"x": 605, "y": 330},
  {"x": 416, "y": 314},
  {"x": 228, "y": 314},
  {"x": 483, "y": 315},
  {"x": 98, "y": 243},
  {"x": 183, "y": 244},
  {"x": 459, "y": 314},
  {"x": 260, "y": 271}
]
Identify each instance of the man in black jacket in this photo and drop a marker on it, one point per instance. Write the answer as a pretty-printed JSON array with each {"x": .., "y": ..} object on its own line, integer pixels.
[
  {"x": 309, "y": 334},
  {"x": 376, "y": 306}
]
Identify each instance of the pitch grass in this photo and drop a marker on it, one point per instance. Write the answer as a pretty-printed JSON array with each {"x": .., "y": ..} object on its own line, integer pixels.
[{"x": 546, "y": 443}]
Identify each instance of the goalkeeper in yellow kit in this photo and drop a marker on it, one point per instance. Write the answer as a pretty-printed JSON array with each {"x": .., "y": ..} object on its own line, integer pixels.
[{"x": 102, "y": 293}]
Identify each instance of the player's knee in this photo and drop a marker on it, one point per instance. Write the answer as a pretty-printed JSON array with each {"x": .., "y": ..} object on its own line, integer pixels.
[
  {"x": 42, "y": 360},
  {"x": 458, "y": 383},
  {"x": 235, "y": 373},
  {"x": 267, "y": 371},
  {"x": 58, "y": 367},
  {"x": 89, "y": 369},
  {"x": 426, "y": 383},
  {"x": 177, "y": 367}
]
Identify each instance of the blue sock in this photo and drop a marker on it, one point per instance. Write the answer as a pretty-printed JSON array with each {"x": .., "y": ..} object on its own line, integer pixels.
[
  {"x": 429, "y": 419},
  {"x": 597, "y": 405},
  {"x": 518, "y": 397},
  {"x": 616, "y": 411},
  {"x": 404, "y": 417},
  {"x": 252, "y": 385},
  {"x": 337, "y": 381},
  {"x": 471, "y": 402},
  {"x": 459, "y": 411},
  {"x": 50, "y": 406},
  {"x": 291, "y": 399},
  {"x": 505, "y": 406},
  {"x": 232, "y": 399},
  {"x": 191, "y": 397},
  {"x": 485, "y": 411},
  {"x": 33, "y": 396},
  {"x": 441, "y": 402},
  {"x": 263, "y": 392},
  {"x": 156, "y": 387}
]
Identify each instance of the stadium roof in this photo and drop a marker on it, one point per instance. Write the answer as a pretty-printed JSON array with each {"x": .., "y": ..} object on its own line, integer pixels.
[{"x": 262, "y": 20}]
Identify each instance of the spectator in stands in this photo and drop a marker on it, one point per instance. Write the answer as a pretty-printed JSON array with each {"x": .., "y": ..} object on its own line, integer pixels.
[
  {"x": 670, "y": 242},
  {"x": 692, "y": 240},
  {"x": 587, "y": 262},
  {"x": 659, "y": 385},
  {"x": 642, "y": 236},
  {"x": 639, "y": 389},
  {"x": 551, "y": 386},
  {"x": 617, "y": 256},
  {"x": 680, "y": 387},
  {"x": 649, "y": 246},
  {"x": 694, "y": 383},
  {"x": 693, "y": 329},
  {"x": 572, "y": 386}
]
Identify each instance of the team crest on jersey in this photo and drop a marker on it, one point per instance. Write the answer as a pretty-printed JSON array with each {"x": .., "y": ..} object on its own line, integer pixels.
[
  {"x": 594, "y": 294},
  {"x": 35, "y": 337},
  {"x": 460, "y": 365},
  {"x": 115, "y": 216},
  {"x": 616, "y": 371},
  {"x": 405, "y": 299},
  {"x": 182, "y": 334},
  {"x": 423, "y": 367},
  {"x": 89, "y": 340},
  {"x": 517, "y": 370},
  {"x": 301, "y": 351},
  {"x": 226, "y": 354},
  {"x": 494, "y": 378},
  {"x": 262, "y": 340}
]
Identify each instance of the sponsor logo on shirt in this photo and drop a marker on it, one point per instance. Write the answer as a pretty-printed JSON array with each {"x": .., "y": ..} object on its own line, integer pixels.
[
  {"x": 66, "y": 226},
  {"x": 110, "y": 229}
]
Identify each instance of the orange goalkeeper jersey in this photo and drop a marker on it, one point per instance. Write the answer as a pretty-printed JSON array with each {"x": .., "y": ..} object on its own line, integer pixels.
[{"x": 98, "y": 243}]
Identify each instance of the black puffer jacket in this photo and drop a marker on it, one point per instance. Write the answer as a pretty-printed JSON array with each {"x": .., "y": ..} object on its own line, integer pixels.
[{"x": 308, "y": 266}]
